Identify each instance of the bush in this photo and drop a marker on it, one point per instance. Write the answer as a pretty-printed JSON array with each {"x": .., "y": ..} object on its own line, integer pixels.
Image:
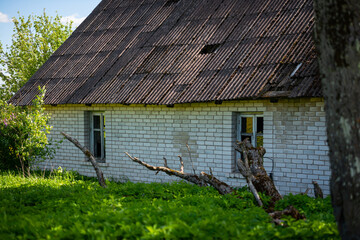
[{"x": 23, "y": 130}]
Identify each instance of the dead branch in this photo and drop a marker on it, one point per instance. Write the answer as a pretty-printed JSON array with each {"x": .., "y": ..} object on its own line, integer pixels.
[
  {"x": 252, "y": 168},
  {"x": 99, "y": 173},
  {"x": 317, "y": 190},
  {"x": 289, "y": 211},
  {"x": 165, "y": 162},
  {"x": 192, "y": 164},
  {"x": 186, "y": 176},
  {"x": 181, "y": 164},
  {"x": 221, "y": 186}
]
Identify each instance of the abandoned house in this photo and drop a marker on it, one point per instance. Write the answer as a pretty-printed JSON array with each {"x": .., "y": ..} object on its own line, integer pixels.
[{"x": 150, "y": 76}]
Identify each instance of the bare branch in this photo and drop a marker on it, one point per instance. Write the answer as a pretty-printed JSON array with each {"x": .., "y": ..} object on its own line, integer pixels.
[
  {"x": 192, "y": 164},
  {"x": 99, "y": 173},
  {"x": 182, "y": 164},
  {"x": 171, "y": 172},
  {"x": 165, "y": 162},
  {"x": 221, "y": 186}
]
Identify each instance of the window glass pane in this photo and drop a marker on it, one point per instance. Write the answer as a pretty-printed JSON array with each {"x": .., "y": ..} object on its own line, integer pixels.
[
  {"x": 244, "y": 136},
  {"x": 96, "y": 122},
  {"x": 97, "y": 144},
  {"x": 260, "y": 125},
  {"x": 104, "y": 135},
  {"x": 259, "y": 141},
  {"x": 246, "y": 124}
]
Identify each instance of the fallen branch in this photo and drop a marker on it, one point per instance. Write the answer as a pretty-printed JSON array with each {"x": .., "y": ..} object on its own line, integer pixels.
[
  {"x": 181, "y": 174},
  {"x": 289, "y": 211},
  {"x": 220, "y": 186},
  {"x": 99, "y": 173}
]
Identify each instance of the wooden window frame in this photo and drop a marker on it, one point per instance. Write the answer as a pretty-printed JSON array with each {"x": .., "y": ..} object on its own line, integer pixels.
[
  {"x": 254, "y": 133},
  {"x": 102, "y": 134}
]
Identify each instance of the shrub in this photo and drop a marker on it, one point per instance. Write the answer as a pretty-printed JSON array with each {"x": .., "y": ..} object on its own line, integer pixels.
[{"x": 23, "y": 130}]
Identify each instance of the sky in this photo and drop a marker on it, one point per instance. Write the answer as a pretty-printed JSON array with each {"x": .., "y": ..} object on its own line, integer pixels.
[{"x": 76, "y": 10}]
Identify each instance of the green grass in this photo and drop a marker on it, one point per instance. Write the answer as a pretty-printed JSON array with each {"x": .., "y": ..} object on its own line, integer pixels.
[{"x": 68, "y": 206}]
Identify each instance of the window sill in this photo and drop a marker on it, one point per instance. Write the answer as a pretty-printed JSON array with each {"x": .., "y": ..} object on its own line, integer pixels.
[{"x": 88, "y": 163}]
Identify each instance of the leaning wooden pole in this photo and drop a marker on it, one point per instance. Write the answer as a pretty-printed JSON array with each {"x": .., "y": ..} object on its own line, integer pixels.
[{"x": 99, "y": 173}]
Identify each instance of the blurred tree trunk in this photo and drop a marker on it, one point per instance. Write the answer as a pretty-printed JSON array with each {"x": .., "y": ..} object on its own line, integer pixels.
[{"x": 338, "y": 41}]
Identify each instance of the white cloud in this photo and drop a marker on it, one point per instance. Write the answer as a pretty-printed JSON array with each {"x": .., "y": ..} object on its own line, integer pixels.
[
  {"x": 74, "y": 18},
  {"x": 4, "y": 18}
]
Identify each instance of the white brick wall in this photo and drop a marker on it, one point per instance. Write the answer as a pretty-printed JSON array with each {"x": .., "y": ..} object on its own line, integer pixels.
[{"x": 294, "y": 137}]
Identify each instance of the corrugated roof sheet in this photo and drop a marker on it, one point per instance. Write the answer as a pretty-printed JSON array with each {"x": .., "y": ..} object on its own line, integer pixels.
[{"x": 168, "y": 52}]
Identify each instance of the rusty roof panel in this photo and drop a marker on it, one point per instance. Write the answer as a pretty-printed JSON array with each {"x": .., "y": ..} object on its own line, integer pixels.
[{"x": 167, "y": 52}]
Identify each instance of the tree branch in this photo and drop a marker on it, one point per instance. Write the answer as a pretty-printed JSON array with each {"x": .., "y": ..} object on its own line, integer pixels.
[
  {"x": 99, "y": 173},
  {"x": 188, "y": 177}
]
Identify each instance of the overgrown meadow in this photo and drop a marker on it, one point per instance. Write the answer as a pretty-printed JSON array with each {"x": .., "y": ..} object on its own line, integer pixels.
[{"x": 64, "y": 205}]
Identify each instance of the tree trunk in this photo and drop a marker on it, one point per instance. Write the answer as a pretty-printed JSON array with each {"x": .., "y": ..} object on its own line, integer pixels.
[
  {"x": 338, "y": 42},
  {"x": 99, "y": 173},
  {"x": 251, "y": 166}
]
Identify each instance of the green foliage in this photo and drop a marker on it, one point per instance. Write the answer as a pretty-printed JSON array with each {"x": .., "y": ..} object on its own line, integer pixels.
[
  {"x": 23, "y": 139},
  {"x": 35, "y": 38},
  {"x": 64, "y": 205}
]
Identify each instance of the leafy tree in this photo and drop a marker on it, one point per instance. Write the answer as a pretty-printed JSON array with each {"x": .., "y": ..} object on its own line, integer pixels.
[
  {"x": 338, "y": 42},
  {"x": 23, "y": 139},
  {"x": 35, "y": 38}
]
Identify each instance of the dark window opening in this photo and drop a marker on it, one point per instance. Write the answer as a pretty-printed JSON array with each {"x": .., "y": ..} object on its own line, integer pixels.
[
  {"x": 97, "y": 136},
  {"x": 211, "y": 48}
]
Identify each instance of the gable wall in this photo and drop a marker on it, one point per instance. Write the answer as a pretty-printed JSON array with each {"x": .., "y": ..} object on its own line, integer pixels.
[{"x": 294, "y": 137}]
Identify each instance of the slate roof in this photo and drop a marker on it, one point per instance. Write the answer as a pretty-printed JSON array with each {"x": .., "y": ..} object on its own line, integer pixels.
[{"x": 181, "y": 51}]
